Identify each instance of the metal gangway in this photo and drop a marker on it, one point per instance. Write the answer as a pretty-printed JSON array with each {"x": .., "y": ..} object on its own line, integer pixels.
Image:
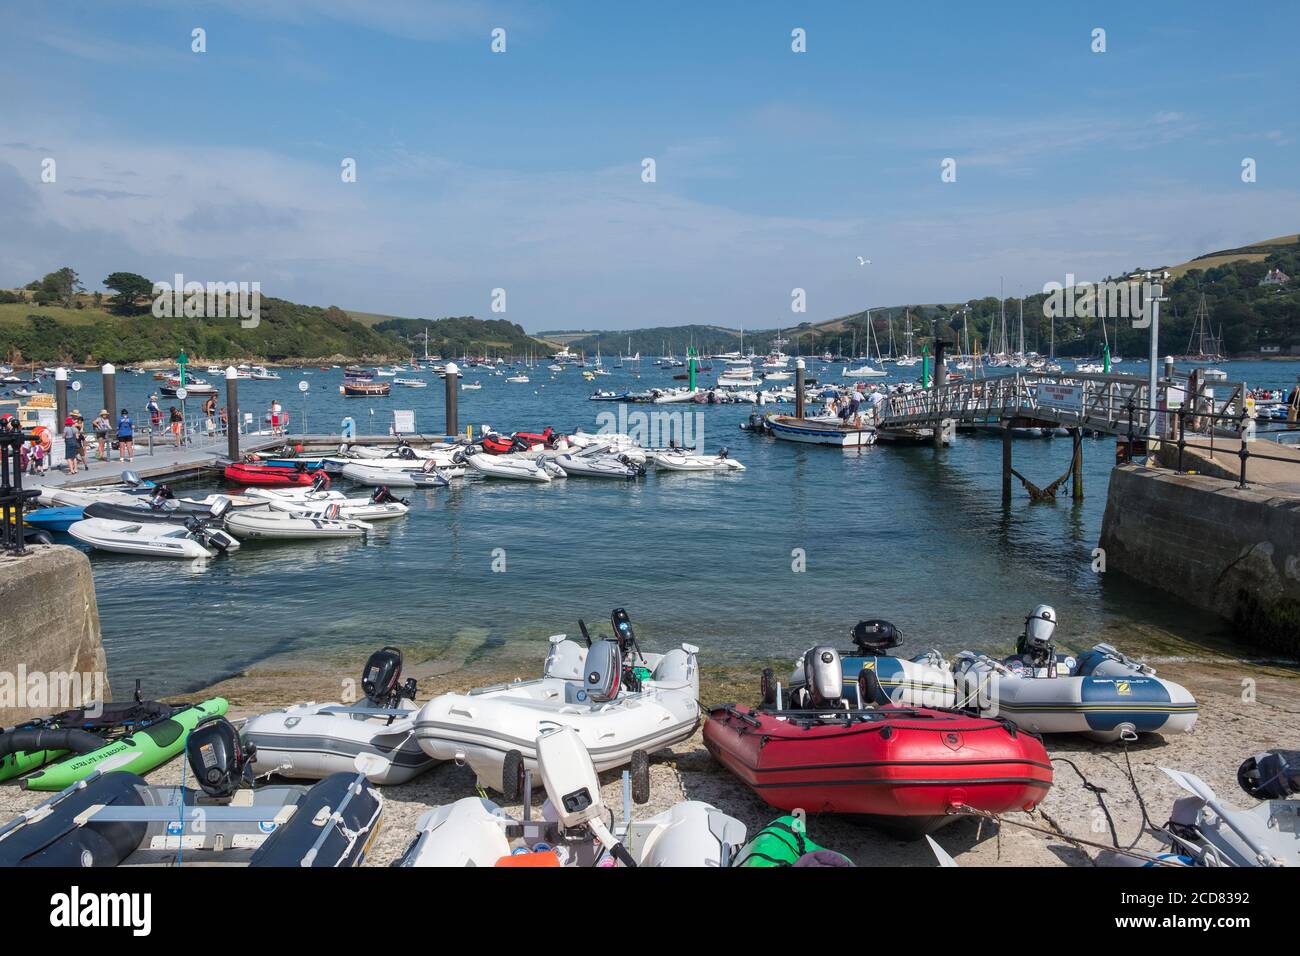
[{"x": 1113, "y": 404}]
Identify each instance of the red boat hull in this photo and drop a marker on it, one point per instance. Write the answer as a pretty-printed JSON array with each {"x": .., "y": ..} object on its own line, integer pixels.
[
  {"x": 904, "y": 768},
  {"x": 266, "y": 475}
]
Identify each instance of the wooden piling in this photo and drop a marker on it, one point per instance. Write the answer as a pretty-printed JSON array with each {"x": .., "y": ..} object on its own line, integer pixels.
[
  {"x": 1006, "y": 462},
  {"x": 1076, "y": 466}
]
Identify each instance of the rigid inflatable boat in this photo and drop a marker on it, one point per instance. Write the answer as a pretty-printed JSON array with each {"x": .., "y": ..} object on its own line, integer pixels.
[
  {"x": 283, "y": 526},
  {"x": 571, "y": 830},
  {"x": 600, "y": 466},
  {"x": 516, "y": 469},
  {"x": 156, "y": 742},
  {"x": 152, "y": 538},
  {"x": 312, "y": 741},
  {"x": 1101, "y": 694},
  {"x": 905, "y": 769},
  {"x": 377, "y": 507},
  {"x": 680, "y": 461},
  {"x": 115, "y": 818},
  {"x": 624, "y": 703},
  {"x": 428, "y": 476}
]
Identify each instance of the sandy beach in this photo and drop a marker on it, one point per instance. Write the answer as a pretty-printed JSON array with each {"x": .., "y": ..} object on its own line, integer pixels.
[{"x": 1245, "y": 708}]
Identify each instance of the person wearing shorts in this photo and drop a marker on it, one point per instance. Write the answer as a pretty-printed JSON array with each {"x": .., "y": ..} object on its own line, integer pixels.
[{"x": 125, "y": 437}]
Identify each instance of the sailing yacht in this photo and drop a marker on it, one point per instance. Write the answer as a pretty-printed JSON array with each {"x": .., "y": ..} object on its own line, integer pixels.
[{"x": 908, "y": 360}]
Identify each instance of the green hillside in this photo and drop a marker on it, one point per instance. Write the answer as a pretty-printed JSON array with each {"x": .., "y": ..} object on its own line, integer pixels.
[{"x": 463, "y": 335}]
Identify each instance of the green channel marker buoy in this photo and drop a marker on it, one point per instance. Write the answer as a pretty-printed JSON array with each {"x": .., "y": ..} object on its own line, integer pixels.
[{"x": 690, "y": 367}]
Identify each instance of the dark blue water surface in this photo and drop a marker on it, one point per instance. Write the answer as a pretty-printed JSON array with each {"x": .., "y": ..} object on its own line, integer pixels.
[{"x": 914, "y": 535}]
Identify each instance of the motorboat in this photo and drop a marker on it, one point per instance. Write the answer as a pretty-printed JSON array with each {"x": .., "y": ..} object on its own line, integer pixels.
[
  {"x": 311, "y": 741},
  {"x": 821, "y": 430},
  {"x": 678, "y": 460},
  {"x": 625, "y": 705},
  {"x": 905, "y": 769},
  {"x": 516, "y": 469},
  {"x": 278, "y": 525},
  {"x": 154, "y": 539}
]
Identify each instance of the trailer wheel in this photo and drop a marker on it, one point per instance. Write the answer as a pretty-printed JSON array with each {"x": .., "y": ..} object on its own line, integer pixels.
[
  {"x": 512, "y": 776},
  {"x": 640, "y": 777}
]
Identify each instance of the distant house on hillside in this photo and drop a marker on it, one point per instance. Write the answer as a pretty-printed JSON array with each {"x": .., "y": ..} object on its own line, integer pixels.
[{"x": 1275, "y": 277}]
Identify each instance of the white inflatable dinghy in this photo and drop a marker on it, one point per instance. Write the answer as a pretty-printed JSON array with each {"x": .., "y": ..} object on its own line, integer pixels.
[
  {"x": 423, "y": 477},
  {"x": 680, "y": 461},
  {"x": 312, "y": 741},
  {"x": 152, "y": 539},
  {"x": 513, "y": 468},
  {"x": 279, "y": 524},
  {"x": 600, "y": 466},
  {"x": 623, "y": 713}
]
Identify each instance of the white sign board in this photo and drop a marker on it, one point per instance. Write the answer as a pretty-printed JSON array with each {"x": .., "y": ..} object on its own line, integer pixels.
[
  {"x": 1065, "y": 397},
  {"x": 404, "y": 422}
]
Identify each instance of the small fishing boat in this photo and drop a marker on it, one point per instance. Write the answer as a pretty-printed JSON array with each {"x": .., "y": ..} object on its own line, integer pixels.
[
  {"x": 515, "y": 469},
  {"x": 364, "y": 388},
  {"x": 519, "y": 379},
  {"x": 411, "y": 382},
  {"x": 470, "y": 386},
  {"x": 904, "y": 769},
  {"x": 821, "y": 430},
  {"x": 676, "y": 460},
  {"x": 312, "y": 741},
  {"x": 572, "y": 830},
  {"x": 255, "y": 473},
  {"x": 53, "y": 519},
  {"x": 116, "y": 818},
  {"x": 625, "y": 704},
  {"x": 154, "y": 539},
  {"x": 281, "y": 526},
  {"x": 600, "y": 466}
]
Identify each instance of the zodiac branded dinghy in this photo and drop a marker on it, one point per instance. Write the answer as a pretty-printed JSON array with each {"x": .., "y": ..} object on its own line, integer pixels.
[
  {"x": 312, "y": 741},
  {"x": 284, "y": 526},
  {"x": 624, "y": 703}
]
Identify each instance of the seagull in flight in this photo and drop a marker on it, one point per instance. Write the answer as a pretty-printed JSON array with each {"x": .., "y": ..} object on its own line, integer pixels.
[{"x": 863, "y": 262}]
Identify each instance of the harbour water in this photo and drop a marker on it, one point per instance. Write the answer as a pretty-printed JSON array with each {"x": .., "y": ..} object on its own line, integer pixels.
[{"x": 484, "y": 571}]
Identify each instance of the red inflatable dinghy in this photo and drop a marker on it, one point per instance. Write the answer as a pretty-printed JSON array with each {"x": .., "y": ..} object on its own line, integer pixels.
[
  {"x": 904, "y": 768},
  {"x": 250, "y": 473}
]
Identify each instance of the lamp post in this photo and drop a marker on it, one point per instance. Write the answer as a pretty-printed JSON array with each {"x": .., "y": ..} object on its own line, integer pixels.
[{"x": 1156, "y": 295}]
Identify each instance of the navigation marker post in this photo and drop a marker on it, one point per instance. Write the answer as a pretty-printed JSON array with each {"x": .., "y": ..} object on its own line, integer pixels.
[
  {"x": 109, "y": 375},
  {"x": 798, "y": 387}
]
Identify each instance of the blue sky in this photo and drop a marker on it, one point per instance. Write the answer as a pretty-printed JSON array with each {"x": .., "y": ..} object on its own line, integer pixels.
[{"x": 522, "y": 170}]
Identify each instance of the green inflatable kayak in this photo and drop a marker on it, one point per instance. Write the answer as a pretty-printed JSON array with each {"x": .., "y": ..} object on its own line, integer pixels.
[
  {"x": 143, "y": 750},
  {"x": 782, "y": 843}
]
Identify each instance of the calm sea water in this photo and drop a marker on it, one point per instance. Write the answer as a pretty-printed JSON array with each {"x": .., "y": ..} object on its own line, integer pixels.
[{"x": 913, "y": 535}]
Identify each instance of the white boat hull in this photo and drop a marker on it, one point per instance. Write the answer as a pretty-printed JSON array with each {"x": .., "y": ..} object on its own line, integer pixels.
[{"x": 144, "y": 539}]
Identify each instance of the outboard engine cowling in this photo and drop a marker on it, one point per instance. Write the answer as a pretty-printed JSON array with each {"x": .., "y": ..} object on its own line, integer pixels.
[
  {"x": 1272, "y": 775},
  {"x": 381, "y": 678},
  {"x": 823, "y": 676},
  {"x": 621, "y": 622},
  {"x": 219, "y": 759},
  {"x": 602, "y": 671},
  {"x": 875, "y": 637}
]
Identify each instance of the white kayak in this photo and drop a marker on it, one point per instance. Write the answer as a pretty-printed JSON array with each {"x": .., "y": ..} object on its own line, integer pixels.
[
  {"x": 492, "y": 728},
  {"x": 515, "y": 469},
  {"x": 311, "y": 741},
  {"x": 278, "y": 524},
  {"x": 404, "y": 478},
  {"x": 600, "y": 466},
  {"x": 155, "y": 539},
  {"x": 680, "y": 461}
]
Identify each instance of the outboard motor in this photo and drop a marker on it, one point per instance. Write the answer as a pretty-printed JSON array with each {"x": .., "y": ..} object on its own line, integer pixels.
[
  {"x": 383, "y": 496},
  {"x": 381, "y": 679},
  {"x": 220, "y": 761},
  {"x": 603, "y": 671},
  {"x": 1036, "y": 643},
  {"x": 1272, "y": 775},
  {"x": 874, "y": 638},
  {"x": 321, "y": 481},
  {"x": 621, "y": 622},
  {"x": 823, "y": 676},
  {"x": 130, "y": 479}
]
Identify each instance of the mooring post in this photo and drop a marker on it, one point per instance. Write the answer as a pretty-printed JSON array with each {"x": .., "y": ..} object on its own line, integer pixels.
[
  {"x": 798, "y": 388},
  {"x": 1076, "y": 463},
  {"x": 232, "y": 413},
  {"x": 450, "y": 372},
  {"x": 109, "y": 375},
  {"x": 60, "y": 397},
  {"x": 1006, "y": 461}
]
